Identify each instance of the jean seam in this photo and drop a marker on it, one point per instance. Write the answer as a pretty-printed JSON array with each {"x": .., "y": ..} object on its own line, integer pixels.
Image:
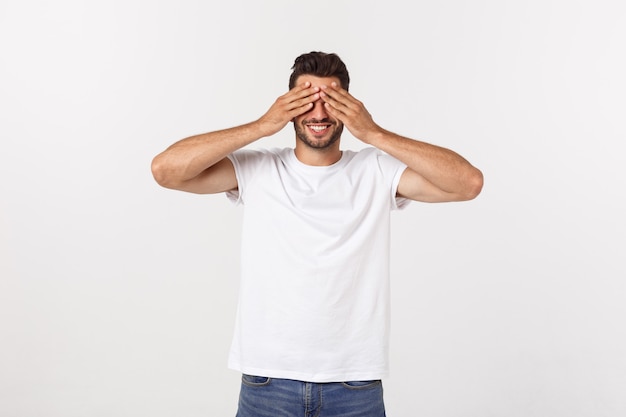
[{"x": 255, "y": 384}]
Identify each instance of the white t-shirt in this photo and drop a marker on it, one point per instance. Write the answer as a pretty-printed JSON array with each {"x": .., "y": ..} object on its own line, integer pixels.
[{"x": 314, "y": 293}]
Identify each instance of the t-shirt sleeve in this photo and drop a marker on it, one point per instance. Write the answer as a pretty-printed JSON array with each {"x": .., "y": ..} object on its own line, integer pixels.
[
  {"x": 393, "y": 169},
  {"x": 245, "y": 162}
]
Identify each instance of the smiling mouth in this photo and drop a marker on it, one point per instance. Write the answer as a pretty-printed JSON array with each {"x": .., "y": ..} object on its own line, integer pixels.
[{"x": 317, "y": 128}]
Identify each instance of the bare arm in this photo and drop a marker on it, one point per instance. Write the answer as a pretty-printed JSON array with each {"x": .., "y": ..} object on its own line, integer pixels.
[
  {"x": 198, "y": 164},
  {"x": 434, "y": 174}
]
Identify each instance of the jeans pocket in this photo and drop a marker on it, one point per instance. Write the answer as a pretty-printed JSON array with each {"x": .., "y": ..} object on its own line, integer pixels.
[
  {"x": 254, "y": 380},
  {"x": 361, "y": 384}
]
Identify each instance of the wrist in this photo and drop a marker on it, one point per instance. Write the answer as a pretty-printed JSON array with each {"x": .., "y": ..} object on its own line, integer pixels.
[
  {"x": 264, "y": 128},
  {"x": 376, "y": 138}
]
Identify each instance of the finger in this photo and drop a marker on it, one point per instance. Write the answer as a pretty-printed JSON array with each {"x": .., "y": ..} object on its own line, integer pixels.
[
  {"x": 302, "y": 86},
  {"x": 340, "y": 95},
  {"x": 298, "y": 89},
  {"x": 337, "y": 88},
  {"x": 335, "y": 102},
  {"x": 303, "y": 102},
  {"x": 299, "y": 97},
  {"x": 336, "y": 113},
  {"x": 305, "y": 93},
  {"x": 306, "y": 101}
]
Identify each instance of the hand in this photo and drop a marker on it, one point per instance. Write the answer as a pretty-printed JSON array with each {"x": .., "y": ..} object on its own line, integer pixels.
[
  {"x": 297, "y": 101},
  {"x": 350, "y": 111}
]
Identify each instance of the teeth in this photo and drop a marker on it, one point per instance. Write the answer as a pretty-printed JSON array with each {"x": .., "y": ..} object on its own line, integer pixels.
[{"x": 318, "y": 128}]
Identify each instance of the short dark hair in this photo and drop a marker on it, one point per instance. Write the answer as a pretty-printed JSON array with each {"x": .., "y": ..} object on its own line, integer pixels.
[{"x": 320, "y": 64}]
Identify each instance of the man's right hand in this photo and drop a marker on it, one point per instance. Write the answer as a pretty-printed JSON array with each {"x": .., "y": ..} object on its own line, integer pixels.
[{"x": 297, "y": 101}]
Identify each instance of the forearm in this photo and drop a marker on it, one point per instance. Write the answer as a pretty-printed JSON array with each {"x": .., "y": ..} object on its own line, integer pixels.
[
  {"x": 442, "y": 167},
  {"x": 188, "y": 158}
]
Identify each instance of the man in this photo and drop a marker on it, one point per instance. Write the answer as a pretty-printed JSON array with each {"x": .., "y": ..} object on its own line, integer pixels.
[{"x": 313, "y": 313}]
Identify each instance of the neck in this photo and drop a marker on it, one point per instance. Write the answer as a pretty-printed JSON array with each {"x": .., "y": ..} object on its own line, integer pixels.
[{"x": 318, "y": 157}]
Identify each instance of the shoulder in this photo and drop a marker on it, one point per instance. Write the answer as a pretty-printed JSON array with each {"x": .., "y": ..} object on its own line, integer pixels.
[
  {"x": 378, "y": 158},
  {"x": 255, "y": 156}
]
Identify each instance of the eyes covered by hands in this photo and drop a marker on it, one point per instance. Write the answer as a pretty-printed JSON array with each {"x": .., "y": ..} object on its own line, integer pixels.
[
  {"x": 350, "y": 111},
  {"x": 337, "y": 102},
  {"x": 292, "y": 104}
]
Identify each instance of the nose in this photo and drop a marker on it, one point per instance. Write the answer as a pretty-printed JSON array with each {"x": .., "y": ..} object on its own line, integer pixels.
[{"x": 319, "y": 110}]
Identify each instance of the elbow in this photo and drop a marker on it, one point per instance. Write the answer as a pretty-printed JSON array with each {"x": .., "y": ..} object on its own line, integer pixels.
[
  {"x": 475, "y": 183},
  {"x": 160, "y": 172}
]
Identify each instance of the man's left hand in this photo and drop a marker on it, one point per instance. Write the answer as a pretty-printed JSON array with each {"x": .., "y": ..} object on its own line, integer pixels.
[{"x": 350, "y": 111}]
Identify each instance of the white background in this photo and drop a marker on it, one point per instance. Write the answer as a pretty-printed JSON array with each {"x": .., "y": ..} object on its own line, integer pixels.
[{"x": 117, "y": 297}]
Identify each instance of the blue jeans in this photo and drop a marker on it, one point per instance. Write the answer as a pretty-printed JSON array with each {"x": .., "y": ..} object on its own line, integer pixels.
[{"x": 273, "y": 397}]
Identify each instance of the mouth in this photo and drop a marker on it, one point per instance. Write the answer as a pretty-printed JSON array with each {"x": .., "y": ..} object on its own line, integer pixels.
[{"x": 318, "y": 129}]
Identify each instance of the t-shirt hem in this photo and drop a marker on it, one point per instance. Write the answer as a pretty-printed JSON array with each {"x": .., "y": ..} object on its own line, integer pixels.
[{"x": 317, "y": 377}]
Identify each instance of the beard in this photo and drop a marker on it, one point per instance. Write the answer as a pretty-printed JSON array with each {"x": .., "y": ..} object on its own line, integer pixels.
[{"x": 303, "y": 135}]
